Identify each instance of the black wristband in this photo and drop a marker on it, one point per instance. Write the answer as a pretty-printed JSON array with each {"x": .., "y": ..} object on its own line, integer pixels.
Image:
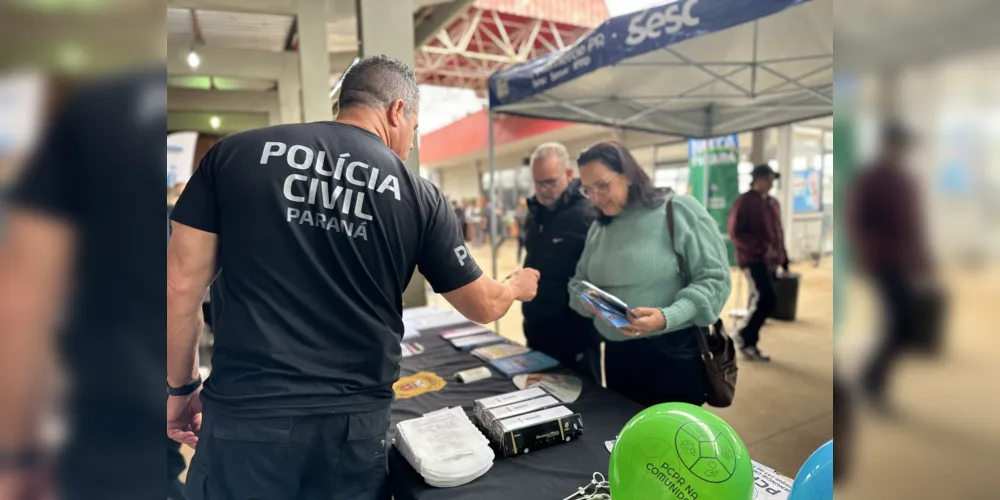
[
  {"x": 185, "y": 389},
  {"x": 20, "y": 459}
]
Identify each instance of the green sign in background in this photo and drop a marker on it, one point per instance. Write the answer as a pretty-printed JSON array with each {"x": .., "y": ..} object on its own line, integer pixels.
[{"x": 720, "y": 156}]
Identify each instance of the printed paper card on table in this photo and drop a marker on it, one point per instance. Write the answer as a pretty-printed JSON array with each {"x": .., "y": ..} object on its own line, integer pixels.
[
  {"x": 566, "y": 388},
  {"x": 463, "y": 332},
  {"x": 769, "y": 485},
  {"x": 474, "y": 341}
]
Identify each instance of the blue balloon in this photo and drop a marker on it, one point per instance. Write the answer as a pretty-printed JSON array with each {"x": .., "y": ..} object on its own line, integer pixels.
[{"x": 815, "y": 479}]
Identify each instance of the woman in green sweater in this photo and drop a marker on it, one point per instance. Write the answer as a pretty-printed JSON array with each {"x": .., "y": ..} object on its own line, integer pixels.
[{"x": 629, "y": 254}]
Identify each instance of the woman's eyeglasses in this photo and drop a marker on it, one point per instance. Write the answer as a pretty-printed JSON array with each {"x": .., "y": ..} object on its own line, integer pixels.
[{"x": 601, "y": 188}]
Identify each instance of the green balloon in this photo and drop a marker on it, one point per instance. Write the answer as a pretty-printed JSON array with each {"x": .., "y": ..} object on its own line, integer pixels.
[{"x": 679, "y": 451}]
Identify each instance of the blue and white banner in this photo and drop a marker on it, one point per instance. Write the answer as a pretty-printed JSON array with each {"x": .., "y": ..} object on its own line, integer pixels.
[
  {"x": 627, "y": 36},
  {"x": 180, "y": 157}
]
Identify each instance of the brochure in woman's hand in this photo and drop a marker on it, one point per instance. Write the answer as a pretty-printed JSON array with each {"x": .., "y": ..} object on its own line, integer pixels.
[{"x": 605, "y": 305}]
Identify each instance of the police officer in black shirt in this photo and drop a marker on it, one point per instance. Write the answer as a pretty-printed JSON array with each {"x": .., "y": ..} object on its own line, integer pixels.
[{"x": 313, "y": 231}]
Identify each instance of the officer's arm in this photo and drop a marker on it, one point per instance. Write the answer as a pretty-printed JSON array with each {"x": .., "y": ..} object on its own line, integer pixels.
[
  {"x": 485, "y": 300},
  {"x": 191, "y": 267},
  {"x": 35, "y": 265}
]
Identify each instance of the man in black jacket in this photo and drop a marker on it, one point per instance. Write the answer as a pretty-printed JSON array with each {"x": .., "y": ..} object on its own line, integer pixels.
[{"x": 555, "y": 233}]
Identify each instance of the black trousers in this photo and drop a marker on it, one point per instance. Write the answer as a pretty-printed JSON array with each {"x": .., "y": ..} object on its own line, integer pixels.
[
  {"x": 175, "y": 465},
  {"x": 763, "y": 301},
  {"x": 898, "y": 299},
  {"x": 843, "y": 430},
  {"x": 661, "y": 369},
  {"x": 332, "y": 456},
  {"x": 573, "y": 342}
]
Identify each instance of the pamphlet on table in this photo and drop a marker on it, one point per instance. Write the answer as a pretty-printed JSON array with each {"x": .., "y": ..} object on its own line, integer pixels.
[
  {"x": 473, "y": 341},
  {"x": 464, "y": 331},
  {"x": 769, "y": 485},
  {"x": 499, "y": 351},
  {"x": 525, "y": 363},
  {"x": 566, "y": 388}
]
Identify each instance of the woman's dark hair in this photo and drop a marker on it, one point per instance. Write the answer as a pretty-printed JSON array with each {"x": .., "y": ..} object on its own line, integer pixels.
[{"x": 617, "y": 157}]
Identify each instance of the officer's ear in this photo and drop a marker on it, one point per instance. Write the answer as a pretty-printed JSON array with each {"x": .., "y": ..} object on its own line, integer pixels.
[{"x": 397, "y": 111}]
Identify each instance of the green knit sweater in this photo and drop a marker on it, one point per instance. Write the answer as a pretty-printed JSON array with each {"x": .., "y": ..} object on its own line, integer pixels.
[{"x": 633, "y": 259}]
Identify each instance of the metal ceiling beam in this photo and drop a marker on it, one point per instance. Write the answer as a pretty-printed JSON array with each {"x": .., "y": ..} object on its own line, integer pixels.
[
  {"x": 797, "y": 83},
  {"x": 280, "y": 7},
  {"x": 235, "y": 101},
  {"x": 242, "y": 63},
  {"x": 442, "y": 16},
  {"x": 293, "y": 35}
]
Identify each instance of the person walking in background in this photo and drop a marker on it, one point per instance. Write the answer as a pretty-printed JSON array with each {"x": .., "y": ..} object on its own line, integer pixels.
[
  {"x": 474, "y": 219},
  {"x": 460, "y": 215},
  {"x": 520, "y": 217},
  {"x": 629, "y": 253},
  {"x": 755, "y": 228},
  {"x": 555, "y": 228},
  {"x": 889, "y": 244}
]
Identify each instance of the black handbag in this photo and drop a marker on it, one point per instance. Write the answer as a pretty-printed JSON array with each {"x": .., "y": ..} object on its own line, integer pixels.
[
  {"x": 926, "y": 321},
  {"x": 718, "y": 353}
]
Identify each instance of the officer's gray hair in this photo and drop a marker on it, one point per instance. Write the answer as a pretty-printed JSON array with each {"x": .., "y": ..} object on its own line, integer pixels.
[
  {"x": 376, "y": 82},
  {"x": 552, "y": 149}
]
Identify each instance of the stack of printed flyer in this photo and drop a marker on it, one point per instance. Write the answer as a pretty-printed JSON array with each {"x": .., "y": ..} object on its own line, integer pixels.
[
  {"x": 426, "y": 318},
  {"x": 445, "y": 447}
]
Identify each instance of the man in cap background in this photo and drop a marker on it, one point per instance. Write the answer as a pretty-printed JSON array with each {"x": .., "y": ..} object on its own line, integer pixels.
[{"x": 755, "y": 228}]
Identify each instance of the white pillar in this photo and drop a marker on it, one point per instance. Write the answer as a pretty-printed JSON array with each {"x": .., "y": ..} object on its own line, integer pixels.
[
  {"x": 386, "y": 27},
  {"x": 290, "y": 98},
  {"x": 785, "y": 196},
  {"x": 758, "y": 145},
  {"x": 314, "y": 60}
]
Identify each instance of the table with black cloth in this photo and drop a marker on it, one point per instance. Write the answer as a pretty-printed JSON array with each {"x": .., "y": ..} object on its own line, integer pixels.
[{"x": 544, "y": 474}]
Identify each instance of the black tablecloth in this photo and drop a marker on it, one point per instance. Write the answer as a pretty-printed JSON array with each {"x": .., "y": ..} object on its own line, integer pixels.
[{"x": 545, "y": 474}]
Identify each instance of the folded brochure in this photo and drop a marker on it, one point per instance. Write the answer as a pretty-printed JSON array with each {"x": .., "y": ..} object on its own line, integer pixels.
[
  {"x": 616, "y": 304},
  {"x": 525, "y": 363},
  {"x": 601, "y": 308}
]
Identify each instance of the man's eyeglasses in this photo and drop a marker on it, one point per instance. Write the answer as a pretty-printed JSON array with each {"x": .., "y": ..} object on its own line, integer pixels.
[{"x": 546, "y": 184}]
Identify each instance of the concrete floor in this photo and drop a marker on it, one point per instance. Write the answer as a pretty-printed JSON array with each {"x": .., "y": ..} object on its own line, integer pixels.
[
  {"x": 943, "y": 442},
  {"x": 783, "y": 409}
]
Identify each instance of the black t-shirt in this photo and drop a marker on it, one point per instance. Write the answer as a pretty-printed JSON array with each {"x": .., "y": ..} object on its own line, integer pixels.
[
  {"x": 320, "y": 228},
  {"x": 100, "y": 169}
]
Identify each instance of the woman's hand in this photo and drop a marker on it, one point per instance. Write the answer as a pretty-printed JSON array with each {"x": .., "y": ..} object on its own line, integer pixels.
[{"x": 645, "y": 320}]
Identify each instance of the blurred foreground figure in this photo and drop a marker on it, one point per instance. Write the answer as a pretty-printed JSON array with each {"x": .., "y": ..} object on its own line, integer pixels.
[
  {"x": 885, "y": 223},
  {"x": 81, "y": 272}
]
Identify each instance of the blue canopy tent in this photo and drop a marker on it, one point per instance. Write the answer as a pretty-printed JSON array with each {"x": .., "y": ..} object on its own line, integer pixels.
[{"x": 689, "y": 68}]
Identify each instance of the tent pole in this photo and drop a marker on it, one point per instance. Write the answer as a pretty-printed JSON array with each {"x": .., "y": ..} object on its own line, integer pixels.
[{"x": 492, "y": 204}]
